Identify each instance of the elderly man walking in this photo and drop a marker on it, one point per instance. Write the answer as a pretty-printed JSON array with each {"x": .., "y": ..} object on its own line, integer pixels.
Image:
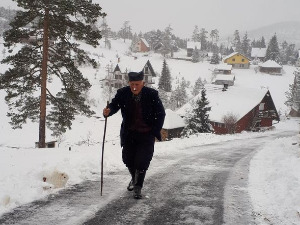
[{"x": 143, "y": 117}]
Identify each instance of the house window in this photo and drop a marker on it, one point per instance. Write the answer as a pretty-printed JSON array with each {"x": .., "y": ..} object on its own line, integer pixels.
[
  {"x": 233, "y": 60},
  {"x": 243, "y": 60},
  {"x": 146, "y": 70}
]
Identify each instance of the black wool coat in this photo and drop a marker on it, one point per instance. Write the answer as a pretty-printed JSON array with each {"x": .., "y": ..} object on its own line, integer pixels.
[{"x": 153, "y": 111}]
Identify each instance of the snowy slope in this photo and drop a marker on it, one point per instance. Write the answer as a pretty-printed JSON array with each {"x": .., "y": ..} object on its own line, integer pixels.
[{"x": 22, "y": 166}]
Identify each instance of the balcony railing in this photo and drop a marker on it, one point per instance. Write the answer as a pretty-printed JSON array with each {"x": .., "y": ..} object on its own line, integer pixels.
[{"x": 271, "y": 114}]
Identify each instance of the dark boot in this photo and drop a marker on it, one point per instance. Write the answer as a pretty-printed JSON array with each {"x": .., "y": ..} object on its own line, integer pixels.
[
  {"x": 138, "y": 183},
  {"x": 131, "y": 183}
]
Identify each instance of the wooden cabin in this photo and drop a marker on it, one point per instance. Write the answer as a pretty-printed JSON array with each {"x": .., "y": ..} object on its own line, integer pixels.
[
  {"x": 173, "y": 125},
  {"x": 271, "y": 67}
]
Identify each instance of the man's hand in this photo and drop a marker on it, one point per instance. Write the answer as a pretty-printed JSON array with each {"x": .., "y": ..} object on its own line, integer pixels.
[{"x": 106, "y": 112}]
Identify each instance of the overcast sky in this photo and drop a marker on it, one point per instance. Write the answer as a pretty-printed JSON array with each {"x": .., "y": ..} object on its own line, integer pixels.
[{"x": 183, "y": 15}]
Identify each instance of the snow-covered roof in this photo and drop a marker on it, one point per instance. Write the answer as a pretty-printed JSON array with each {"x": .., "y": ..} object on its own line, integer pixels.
[
  {"x": 236, "y": 100},
  {"x": 225, "y": 77},
  {"x": 223, "y": 66},
  {"x": 193, "y": 45},
  {"x": 258, "y": 52},
  {"x": 173, "y": 120},
  {"x": 234, "y": 53},
  {"x": 270, "y": 64},
  {"x": 135, "y": 65},
  {"x": 145, "y": 42}
]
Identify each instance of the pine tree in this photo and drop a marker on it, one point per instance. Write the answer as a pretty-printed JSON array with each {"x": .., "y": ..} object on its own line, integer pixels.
[
  {"x": 196, "y": 34},
  {"x": 167, "y": 41},
  {"x": 273, "y": 50},
  {"x": 196, "y": 55},
  {"x": 237, "y": 41},
  {"x": 164, "y": 82},
  {"x": 245, "y": 45},
  {"x": 105, "y": 31},
  {"x": 215, "y": 59},
  {"x": 203, "y": 39},
  {"x": 179, "y": 96},
  {"x": 262, "y": 42},
  {"x": 293, "y": 95},
  {"x": 198, "y": 120},
  {"x": 56, "y": 55},
  {"x": 197, "y": 87}
]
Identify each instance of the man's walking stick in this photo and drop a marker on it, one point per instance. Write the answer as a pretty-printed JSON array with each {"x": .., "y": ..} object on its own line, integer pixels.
[{"x": 105, "y": 123}]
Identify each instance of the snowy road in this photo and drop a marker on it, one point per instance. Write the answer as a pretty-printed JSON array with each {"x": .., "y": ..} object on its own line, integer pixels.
[{"x": 191, "y": 187}]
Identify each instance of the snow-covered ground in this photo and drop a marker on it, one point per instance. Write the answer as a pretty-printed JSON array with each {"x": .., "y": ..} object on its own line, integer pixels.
[{"x": 23, "y": 167}]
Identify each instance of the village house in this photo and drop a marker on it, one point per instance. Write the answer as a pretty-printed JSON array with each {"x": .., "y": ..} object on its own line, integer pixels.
[
  {"x": 222, "y": 69},
  {"x": 142, "y": 46},
  {"x": 258, "y": 54},
  {"x": 237, "y": 60},
  {"x": 270, "y": 67},
  {"x": 191, "y": 46},
  {"x": 225, "y": 80},
  {"x": 173, "y": 125},
  {"x": 250, "y": 109},
  {"x": 119, "y": 76}
]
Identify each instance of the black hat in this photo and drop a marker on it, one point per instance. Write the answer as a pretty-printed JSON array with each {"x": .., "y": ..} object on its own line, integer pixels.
[{"x": 134, "y": 76}]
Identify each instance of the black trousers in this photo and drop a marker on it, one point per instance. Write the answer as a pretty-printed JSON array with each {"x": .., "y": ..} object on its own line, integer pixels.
[{"x": 138, "y": 150}]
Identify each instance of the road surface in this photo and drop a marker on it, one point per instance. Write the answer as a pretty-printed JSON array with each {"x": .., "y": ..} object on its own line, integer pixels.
[{"x": 203, "y": 185}]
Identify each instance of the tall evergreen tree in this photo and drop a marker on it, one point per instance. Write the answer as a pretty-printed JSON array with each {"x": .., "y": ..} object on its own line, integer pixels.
[
  {"x": 164, "y": 82},
  {"x": 196, "y": 34},
  {"x": 198, "y": 120},
  {"x": 179, "y": 95},
  {"x": 203, "y": 39},
  {"x": 167, "y": 41},
  {"x": 293, "y": 95},
  {"x": 245, "y": 46},
  {"x": 273, "y": 50},
  {"x": 197, "y": 87},
  {"x": 262, "y": 42},
  {"x": 105, "y": 31},
  {"x": 55, "y": 55},
  {"x": 236, "y": 41},
  {"x": 196, "y": 55}
]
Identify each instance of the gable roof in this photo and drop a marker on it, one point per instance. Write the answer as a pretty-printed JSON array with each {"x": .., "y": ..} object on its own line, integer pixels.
[
  {"x": 233, "y": 54},
  {"x": 270, "y": 64},
  {"x": 258, "y": 52},
  {"x": 135, "y": 66},
  {"x": 223, "y": 66},
  {"x": 145, "y": 42},
  {"x": 236, "y": 100}
]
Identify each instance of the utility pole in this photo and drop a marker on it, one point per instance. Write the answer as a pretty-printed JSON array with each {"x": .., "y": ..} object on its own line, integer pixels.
[{"x": 42, "y": 125}]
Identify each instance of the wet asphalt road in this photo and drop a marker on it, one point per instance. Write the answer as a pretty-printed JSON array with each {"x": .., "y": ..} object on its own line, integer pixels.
[{"x": 205, "y": 187}]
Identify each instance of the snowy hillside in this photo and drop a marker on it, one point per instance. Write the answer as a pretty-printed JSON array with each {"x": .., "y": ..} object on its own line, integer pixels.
[
  {"x": 288, "y": 31},
  {"x": 79, "y": 150},
  {"x": 86, "y": 129}
]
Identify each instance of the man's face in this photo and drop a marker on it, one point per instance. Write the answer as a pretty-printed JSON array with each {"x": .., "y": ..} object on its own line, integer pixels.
[{"x": 136, "y": 86}]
